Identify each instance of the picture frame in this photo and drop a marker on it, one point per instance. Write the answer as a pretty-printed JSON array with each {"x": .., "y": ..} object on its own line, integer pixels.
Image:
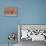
[{"x": 10, "y": 11}]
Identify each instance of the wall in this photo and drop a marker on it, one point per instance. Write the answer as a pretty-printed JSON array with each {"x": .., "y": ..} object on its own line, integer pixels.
[{"x": 30, "y": 12}]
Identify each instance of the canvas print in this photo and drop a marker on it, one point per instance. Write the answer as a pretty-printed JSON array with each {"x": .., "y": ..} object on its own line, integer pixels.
[{"x": 10, "y": 11}]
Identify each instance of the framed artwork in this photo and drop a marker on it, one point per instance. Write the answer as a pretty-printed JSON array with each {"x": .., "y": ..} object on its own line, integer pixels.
[{"x": 10, "y": 11}]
